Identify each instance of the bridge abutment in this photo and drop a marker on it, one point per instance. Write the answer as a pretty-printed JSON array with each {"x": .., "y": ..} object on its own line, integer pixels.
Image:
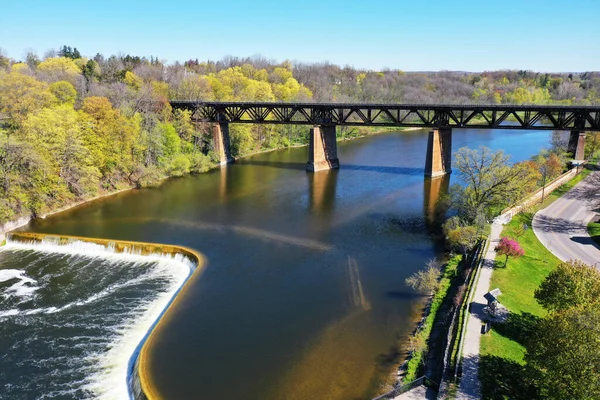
[
  {"x": 577, "y": 145},
  {"x": 220, "y": 133},
  {"x": 439, "y": 152},
  {"x": 322, "y": 149}
]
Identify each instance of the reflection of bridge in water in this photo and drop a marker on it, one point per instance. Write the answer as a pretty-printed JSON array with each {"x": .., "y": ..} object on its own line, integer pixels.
[{"x": 441, "y": 118}]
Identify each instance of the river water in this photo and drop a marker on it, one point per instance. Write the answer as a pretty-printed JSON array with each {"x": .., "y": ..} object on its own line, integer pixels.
[{"x": 303, "y": 296}]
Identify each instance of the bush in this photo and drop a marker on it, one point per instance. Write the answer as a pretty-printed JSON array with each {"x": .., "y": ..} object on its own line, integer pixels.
[{"x": 427, "y": 280}]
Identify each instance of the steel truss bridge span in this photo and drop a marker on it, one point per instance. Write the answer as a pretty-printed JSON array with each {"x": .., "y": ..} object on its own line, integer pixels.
[{"x": 530, "y": 117}]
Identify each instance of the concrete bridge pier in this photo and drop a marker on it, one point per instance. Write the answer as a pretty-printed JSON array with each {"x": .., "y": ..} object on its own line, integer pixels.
[
  {"x": 439, "y": 152},
  {"x": 577, "y": 145},
  {"x": 322, "y": 149},
  {"x": 220, "y": 133}
]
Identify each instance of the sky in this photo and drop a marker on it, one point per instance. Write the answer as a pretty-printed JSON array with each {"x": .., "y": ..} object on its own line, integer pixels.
[{"x": 418, "y": 35}]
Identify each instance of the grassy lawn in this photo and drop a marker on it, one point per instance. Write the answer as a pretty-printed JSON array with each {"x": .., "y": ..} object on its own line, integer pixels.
[
  {"x": 502, "y": 350},
  {"x": 594, "y": 231}
]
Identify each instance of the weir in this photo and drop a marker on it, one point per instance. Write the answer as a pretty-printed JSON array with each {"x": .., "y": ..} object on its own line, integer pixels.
[{"x": 138, "y": 379}]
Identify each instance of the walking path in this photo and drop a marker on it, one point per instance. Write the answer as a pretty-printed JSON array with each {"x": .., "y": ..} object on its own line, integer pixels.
[
  {"x": 418, "y": 393},
  {"x": 469, "y": 387},
  {"x": 562, "y": 226}
]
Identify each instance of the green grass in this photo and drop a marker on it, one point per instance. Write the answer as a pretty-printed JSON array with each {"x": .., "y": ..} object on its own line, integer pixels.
[
  {"x": 594, "y": 231},
  {"x": 495, "y": 344},
  {"x": 521, "y": 276},
  {"x": 502, "y": 349}
]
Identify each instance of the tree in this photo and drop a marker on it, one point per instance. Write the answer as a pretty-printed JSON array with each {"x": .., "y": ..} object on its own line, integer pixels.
[
  {"x": 491, "y": 181},
  {"x": 90, "y": 71},
  {"x": 68, "y": 52},
  {"x": 565, "y": 354},
  {"x": 509, "y": 248},
  {"x": 428, "y": 280},
  {"x": 132, "y": 80},
  {"x": 59, "y": 68},
  {"x": 592, "y": 143},
  {"x": 21, "y": 94},
  {"x": 32, "y": 60},
  {"x": 460, "y": 235},
  {"x": 571, "y": 284},
  {"x": 559, "y": 143},
  {"x": 4, "y": 60},
  {"x": 64, "y": 92}
]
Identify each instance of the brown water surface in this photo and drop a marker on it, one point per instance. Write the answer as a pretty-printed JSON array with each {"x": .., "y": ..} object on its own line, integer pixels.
[{"x": 304, "y": 295}]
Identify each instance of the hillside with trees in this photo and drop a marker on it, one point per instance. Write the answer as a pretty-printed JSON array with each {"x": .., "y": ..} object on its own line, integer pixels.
[{"x": 73, "y": 127}]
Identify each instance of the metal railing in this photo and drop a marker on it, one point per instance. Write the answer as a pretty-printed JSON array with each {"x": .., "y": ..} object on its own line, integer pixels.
[{"x": 422, "y": 381}]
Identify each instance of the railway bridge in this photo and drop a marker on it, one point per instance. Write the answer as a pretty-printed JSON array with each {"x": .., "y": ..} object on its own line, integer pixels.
[{"x": 441, "y": 118}]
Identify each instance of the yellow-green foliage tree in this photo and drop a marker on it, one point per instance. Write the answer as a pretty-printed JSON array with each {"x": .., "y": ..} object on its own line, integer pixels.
[
  {"x": 22, "y": 94},
  {"x": 59, "y": 68}
]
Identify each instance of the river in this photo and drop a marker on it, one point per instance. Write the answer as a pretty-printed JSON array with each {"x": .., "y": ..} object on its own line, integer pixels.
[{"x": 303, "y": 296}]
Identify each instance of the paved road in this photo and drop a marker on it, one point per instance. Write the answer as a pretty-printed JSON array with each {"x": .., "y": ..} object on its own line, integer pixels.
[{"x": 562, "y": 226}]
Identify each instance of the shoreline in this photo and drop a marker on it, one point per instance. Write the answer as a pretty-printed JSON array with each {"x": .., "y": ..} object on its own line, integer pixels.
[{"x": 22, "y": 221}]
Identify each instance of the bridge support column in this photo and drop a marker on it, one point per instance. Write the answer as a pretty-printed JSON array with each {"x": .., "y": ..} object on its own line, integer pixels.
[
  {"x": 322, "y": 149},
  {"x": 577, "y": 145},
  {"x": 220, "y": 132},
  {"x": 439, "y": 152}
]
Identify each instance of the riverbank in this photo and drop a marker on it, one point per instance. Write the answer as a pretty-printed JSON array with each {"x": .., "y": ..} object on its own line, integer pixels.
[{"x": 21, "y": 221}]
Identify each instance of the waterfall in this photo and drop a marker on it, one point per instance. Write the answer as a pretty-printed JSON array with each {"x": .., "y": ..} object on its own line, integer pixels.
[{"x": 80, "y": 310}]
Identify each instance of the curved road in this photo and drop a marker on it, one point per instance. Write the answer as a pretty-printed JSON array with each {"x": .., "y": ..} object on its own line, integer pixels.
[{"x": 562, "y": 226}]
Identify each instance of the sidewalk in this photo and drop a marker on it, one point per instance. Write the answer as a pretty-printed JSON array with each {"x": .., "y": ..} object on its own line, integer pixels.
[{"x": 469, "y": 384}]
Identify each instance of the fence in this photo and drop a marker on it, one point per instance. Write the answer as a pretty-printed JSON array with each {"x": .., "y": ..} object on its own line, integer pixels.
[{"x": 422, "y": 381}]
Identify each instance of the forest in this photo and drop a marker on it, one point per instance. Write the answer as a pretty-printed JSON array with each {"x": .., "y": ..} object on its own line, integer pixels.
[{"x": 74, "y": 127}]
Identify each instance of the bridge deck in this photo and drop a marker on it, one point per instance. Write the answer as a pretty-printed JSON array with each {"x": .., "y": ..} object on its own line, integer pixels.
[{"x": 530, "y": 117}]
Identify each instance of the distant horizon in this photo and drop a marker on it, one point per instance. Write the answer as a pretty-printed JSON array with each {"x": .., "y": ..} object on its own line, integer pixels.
[
  {"x": 432, "y": 35},
  {"x": 278, "y": 61}
]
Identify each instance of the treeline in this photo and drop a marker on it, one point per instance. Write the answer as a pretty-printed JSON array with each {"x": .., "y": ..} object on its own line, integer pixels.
[{"x": 73, "y": 127}]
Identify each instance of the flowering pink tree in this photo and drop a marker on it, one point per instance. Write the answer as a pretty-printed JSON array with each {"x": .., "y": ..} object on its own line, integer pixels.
[{"x": 509, "y": 247}]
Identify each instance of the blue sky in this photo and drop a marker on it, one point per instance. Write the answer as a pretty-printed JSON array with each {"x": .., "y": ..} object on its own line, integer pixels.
[{"x": 419, "y": 35}]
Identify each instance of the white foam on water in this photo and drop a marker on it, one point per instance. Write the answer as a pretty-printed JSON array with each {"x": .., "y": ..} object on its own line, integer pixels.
[
  {"x": 110, "y": 380},
  {"x": 81, "y": 248},
  {"x": 95, "y": 297},
  {"x": 19, "y": 289}
]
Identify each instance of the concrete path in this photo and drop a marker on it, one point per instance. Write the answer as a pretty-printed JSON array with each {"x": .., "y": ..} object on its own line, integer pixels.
[
  {"x": 469, "y": 387},
  {"x": 418, "y": 393},
  {"x": 562, "y": 226}
]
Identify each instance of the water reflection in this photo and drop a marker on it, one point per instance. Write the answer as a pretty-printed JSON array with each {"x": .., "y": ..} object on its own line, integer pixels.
[
  {"x": 433, "y": 191},
  {"x": 322, "y": 190}
]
